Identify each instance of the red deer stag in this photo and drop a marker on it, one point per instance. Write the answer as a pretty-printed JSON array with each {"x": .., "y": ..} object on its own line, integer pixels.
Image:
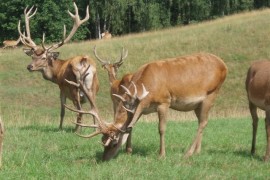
[
  {"x": 11, "y": 43},
  {"x": 258, "y": 92},
  {"x": 112, "y": 72},
  {"x": 58, "y": 71},
  {"x": 183, "y": 83}
]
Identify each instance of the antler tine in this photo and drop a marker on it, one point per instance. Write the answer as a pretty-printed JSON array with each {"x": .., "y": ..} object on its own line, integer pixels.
[
  {"x": 26, "y": 39},
  {"x": 27, "y": 18},
  {"x": 144, "y": 93},
  {"x": 92, "y": 111},
  {"x": 103, "y": 62},
  {"x": 122, "y": 57},
  {"x": 135, "y": 90},
  {"x": 84, "y": 125},
  {"x": 90, "y": 135},
  {"x": 77, "y": 23}
]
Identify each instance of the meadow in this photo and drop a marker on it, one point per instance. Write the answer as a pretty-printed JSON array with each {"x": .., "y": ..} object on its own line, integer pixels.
[{"x": 34, "y": 148}]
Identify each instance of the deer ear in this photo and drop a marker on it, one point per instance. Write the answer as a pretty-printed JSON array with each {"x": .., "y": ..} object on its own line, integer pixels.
[
  {"x": 54, "y": 55},
  {"x": 28, "y": 52}
]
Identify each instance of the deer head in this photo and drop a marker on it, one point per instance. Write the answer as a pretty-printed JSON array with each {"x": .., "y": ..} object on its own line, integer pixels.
[
  {"x": 42, "y": 57},
  {"x": 112, "y": 68},
  {"x": 114, "y": 134}
]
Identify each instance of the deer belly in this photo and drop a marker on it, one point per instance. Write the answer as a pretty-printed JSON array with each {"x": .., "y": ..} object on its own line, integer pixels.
[
  {"x": 186, "y": 104},
  {"x": 260, "y": 103}
]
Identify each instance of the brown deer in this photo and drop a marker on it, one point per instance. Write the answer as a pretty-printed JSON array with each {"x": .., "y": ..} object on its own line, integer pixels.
[
  {"x": 11, "y": 43},
  {"x": 182, "y": 83},
  {"x": 258, "y": 92},
  {"x": 58, "y": 71},
  {"x": 112, "y": 69},
  {"x": 106, "y": 35}
]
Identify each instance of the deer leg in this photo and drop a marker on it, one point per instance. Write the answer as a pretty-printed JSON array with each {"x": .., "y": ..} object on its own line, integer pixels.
[
  {"x": 254, "y": 115},
  {"x": 77, "y": 104},
  {"x": 162, "y": 113},
  {"x": 267, "y": 128},
  {"x": 129, "y": 145},
  {"x": 62, "y": 114},
  {"x": 202, "y": 114}
]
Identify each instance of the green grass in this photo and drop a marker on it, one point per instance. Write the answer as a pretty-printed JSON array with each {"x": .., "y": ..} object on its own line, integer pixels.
[
  {"x": 38, "y": 151},
  {"x": 29, "y": 106}
]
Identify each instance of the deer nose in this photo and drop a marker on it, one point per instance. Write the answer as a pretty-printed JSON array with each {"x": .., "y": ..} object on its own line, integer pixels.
[{"x": 29, "y": 67}]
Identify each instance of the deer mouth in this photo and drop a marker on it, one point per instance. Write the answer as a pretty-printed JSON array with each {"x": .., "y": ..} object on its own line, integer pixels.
[{"x": 30, "y": 68}]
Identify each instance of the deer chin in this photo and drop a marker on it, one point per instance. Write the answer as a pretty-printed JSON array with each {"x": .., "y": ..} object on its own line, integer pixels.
[{"x": 112, "y": 149}]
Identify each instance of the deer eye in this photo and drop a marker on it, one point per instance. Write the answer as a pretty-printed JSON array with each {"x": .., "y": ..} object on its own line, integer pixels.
[{"x": 43, "y": 59}]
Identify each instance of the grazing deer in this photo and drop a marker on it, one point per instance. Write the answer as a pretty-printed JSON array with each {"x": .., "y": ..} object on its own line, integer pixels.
[
  {"x": 11, "y": 43},
  {"x": 1, "y": 140},
  {"x": 183, "y": 83},
  {"x": 258, "y": 92},
  {"x": 106, "y": 35},
  {"x": 58, "y": 71}
]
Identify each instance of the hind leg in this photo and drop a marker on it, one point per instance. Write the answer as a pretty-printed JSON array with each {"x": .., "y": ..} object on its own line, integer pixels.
[
  {"x": 202, "y": 114},
  {"x": 267, "y": 128},
  {"x": 254, "y": 115}
]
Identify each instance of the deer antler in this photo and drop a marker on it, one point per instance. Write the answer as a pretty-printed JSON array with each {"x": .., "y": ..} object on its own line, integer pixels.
[
  {"x": 77, "y": 23},
  {"x": 101, "y": 124},
  {"x": 26, "y": 40},
  {"x": 30, "y": 43},
  {"x": 123, "y": 55},
  {"x": 133, "y": 96}
]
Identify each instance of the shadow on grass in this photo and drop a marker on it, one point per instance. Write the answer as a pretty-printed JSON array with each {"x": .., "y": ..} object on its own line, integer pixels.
[
  {"x": 242, "y": 153},
  {"x": 48, "y": 128},
  {"x": 247, "y": 154}
]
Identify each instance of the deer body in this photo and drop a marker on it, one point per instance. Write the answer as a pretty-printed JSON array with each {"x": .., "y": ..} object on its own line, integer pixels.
[
  {"x": 258, "y": 92},
  {"x": 11, "y": 43},
  {"x": 59, "y": 71},
  {"x": 106, "y": 35},
  {"x": 183, "y": 83}
]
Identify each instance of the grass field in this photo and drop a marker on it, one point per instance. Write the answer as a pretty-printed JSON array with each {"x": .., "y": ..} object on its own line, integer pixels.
[{"x": 34, "y": 148}]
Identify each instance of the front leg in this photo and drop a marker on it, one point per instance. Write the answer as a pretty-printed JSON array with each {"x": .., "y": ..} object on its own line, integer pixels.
[
  {"x": 62, "y": 114},
  {"x": 129, "y": 145},
  {"x": 267, "y": 128}
]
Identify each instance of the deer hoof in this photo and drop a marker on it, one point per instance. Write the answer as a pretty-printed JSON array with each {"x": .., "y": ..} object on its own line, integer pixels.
[{"x": 129, "y": 150}]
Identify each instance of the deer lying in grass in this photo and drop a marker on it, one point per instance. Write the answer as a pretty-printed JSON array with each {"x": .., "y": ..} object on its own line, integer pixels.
[
  {"x": 183, "y": 83},
  {"x": 258, "y": 92},
  {"x": 11, "y": 43},
  {"x": 58, "y": 71},
  {"x": 106, "y": 35}
]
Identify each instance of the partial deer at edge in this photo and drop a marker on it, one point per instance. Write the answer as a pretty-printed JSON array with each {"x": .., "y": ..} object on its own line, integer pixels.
[
  {"x": 46, "y": 61},
  {"x": 258, "y": 93}
]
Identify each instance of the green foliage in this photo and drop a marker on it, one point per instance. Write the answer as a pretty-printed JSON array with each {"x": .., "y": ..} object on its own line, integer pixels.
[{"x": 118, "y": 16}]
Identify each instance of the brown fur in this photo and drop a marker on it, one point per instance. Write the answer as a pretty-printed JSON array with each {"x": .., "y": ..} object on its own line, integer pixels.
[
  {"x": 58, "y": 71},
  {"x": 183, "y": 83},
  {"x": 258, "y": 92},
  {"x": 11, "y": 43}
]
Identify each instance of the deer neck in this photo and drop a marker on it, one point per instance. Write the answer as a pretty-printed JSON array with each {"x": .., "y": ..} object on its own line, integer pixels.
[
  {"x": 112, "y": 77},
  {"x": 51, "y": 71}
]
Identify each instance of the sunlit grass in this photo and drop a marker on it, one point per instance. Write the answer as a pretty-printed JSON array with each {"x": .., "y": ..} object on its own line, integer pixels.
[{"x": 34, "y": 148}]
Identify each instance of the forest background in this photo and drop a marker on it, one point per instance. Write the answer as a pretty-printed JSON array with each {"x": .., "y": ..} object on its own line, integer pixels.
[{"x": 119, "y": 17}]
